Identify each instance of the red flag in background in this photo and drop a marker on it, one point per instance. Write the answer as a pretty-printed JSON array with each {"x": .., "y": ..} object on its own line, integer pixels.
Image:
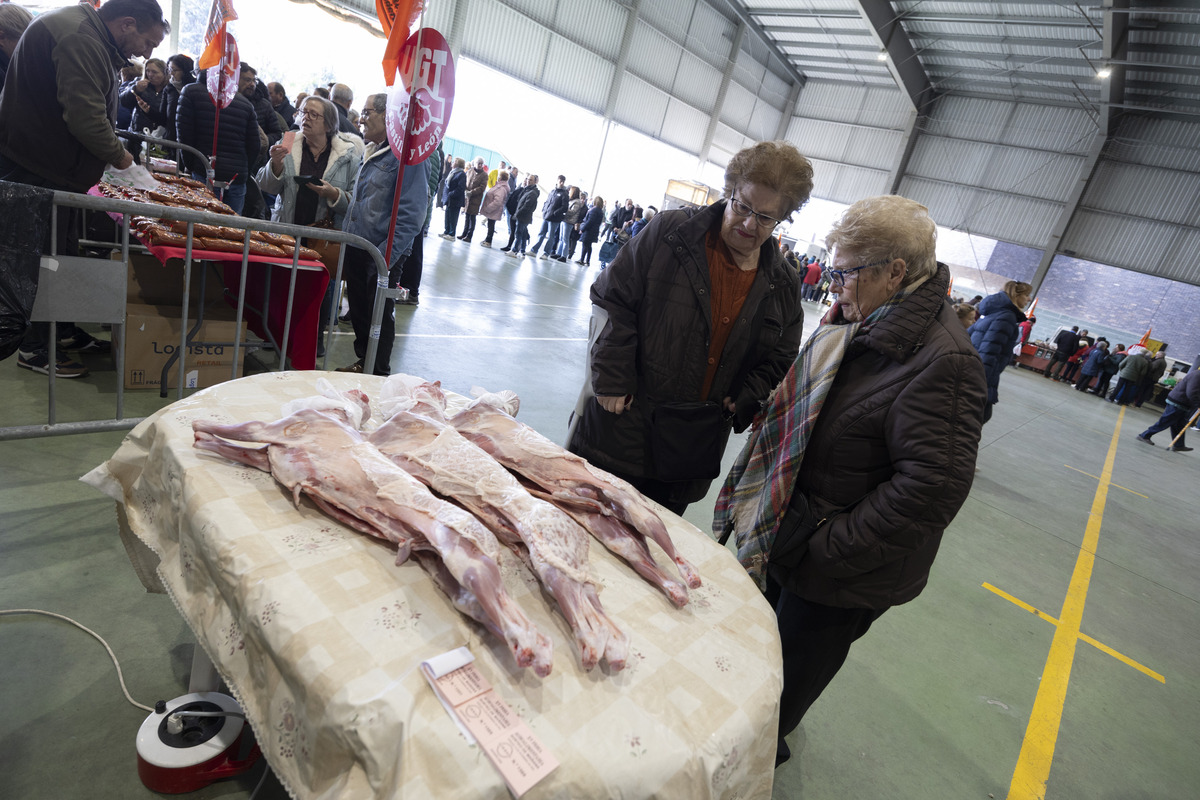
[
  {"x": 214, "y": 38},
  {"x": 397, "y": 18}
]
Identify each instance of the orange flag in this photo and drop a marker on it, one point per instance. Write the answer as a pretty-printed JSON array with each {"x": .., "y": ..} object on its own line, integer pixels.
[
  {"x": 396, "y": 17},
  {"x": 214, "y": 38},
  {"x": 1145, "y": 339},
  {"x": 1029, "y": 313}
]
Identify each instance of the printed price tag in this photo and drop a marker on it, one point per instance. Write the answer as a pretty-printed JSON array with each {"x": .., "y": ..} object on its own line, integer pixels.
[{"x": 509, "y": 744}]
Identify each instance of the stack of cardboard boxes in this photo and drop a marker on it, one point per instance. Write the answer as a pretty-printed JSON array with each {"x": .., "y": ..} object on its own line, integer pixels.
[{"x": 152, "y": 325}]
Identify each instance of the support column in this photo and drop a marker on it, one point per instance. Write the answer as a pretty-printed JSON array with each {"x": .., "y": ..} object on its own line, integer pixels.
[{"x": 719, "y": 103}]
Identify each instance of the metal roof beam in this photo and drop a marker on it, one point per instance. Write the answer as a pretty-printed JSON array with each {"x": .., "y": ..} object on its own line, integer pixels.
[
  {"x": 1112, "y": 94},
  {"x": 743, "y": 16},
  {"x": 902, "y": 59},
  {"x": 824, "y": 33}
]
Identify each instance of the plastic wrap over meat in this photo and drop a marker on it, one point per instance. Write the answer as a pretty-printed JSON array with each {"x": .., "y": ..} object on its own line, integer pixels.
[
  {"x": 552, "y": 544},
  {"x": 318, "y": 454}
]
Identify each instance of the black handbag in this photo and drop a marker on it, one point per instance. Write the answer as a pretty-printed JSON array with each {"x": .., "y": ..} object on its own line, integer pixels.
[{"x": 687, "y": 440}]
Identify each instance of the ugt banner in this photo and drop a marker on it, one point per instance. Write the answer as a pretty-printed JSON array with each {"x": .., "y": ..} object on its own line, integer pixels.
[{"x": 426, "y": 67}]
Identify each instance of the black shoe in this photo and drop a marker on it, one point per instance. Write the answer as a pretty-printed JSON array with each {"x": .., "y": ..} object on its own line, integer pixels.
[
  {"x": 505, "y": 249},
  {"x": 84, "y": 343},
  {"x": 40, "y": 362},
  {"x": 357, "y": 367},
  {"x": 409, "y": 301},
  {"x": 1145, "y": 440},
  {"x": 1181, "y": 449}
]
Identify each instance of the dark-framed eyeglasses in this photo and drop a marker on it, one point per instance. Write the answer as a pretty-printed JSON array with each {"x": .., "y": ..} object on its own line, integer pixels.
[
  {"x": 743, "y": 210},
  {"x": 838, "y": 276}
]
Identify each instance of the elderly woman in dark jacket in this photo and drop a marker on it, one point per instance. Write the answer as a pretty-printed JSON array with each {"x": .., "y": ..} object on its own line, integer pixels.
[
  {"x": 996, "y": 332},
  {"x": 454, "y": 196},
  {"x": 866, "y": 452},
  {"x": 696, "y": 316}
]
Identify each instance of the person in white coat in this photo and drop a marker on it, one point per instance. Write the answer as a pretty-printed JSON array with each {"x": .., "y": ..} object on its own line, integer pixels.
[{"x": 312, "y": 176}]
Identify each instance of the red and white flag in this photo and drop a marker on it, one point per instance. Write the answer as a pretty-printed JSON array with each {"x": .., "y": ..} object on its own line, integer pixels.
[{"x": 214, "y": 38}]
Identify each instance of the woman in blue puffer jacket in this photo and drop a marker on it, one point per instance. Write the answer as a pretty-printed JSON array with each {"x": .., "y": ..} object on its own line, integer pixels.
[{"x": 996, "y": 332}]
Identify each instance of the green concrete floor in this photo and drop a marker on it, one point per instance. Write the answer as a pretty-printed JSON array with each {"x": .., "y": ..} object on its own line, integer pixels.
[{"x": 933, "y": 703}]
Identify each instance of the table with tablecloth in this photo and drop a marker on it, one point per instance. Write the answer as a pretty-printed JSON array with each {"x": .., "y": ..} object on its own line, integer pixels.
[{"x": 319, "y": 635}]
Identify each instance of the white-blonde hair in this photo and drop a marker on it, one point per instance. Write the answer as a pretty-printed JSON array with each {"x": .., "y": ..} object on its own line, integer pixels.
[{"x": 885, "y": 228}]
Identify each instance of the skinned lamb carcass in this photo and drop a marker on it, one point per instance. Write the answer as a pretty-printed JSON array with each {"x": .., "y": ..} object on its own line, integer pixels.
[
  {"x": 609, "y": 507},
  {"x": 318, "y": 454},
  {"x": 553, "y": 546}
]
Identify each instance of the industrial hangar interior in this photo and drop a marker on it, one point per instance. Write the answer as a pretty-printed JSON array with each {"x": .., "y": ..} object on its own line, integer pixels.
[{"x": 1055, "y": 651}]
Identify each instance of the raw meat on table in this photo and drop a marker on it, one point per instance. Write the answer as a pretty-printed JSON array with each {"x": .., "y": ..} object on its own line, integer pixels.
[
  {"x": 318, "y": 454},
  {"x": 549, "y": 541},
  {"x": 615, "y": 512}
]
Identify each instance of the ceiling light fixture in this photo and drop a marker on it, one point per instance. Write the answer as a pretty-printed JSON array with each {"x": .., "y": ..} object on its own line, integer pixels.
[
  {"x": 883, "y": 55},
  {"x": 1104, "y": 72}
]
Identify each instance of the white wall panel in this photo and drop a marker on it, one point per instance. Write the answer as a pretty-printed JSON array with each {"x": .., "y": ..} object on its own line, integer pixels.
[
  {"x": 684, "y": 126},
  {"x": 577, "y": 75},
  {"x": 739, "y": 105},
  {"x": 653, "y": 57},
  {"x": 710, "y": 35},
  {"x": 1025, "y": 221},
  {"x": 764, "y": 122},
  {"x": 641, "y": 106},
  {"x": 598, "y": 24},
  {"x": 1144, "y": 192},
  {"x": 696, "y": 82},
  {"x": 489, "y": 38},
  {"x": 841, "y": 183}
]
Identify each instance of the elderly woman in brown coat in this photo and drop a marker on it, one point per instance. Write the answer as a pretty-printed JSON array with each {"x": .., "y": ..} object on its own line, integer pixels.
[
  {"x": 865, "y": 453},
  {"x": 694, "y": 324}
]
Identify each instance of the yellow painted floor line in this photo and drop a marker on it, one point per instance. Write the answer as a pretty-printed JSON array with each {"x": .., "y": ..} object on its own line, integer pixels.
[
  {"x": 1122, "y": 658},
  {"x": 1097, "y": 477},
  {"x": 1041, "y": 734},
  {"x": 1093, "y": 642}
]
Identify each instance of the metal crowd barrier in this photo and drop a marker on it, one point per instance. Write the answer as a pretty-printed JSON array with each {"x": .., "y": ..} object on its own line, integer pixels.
[{"x": 127, "y": 209}]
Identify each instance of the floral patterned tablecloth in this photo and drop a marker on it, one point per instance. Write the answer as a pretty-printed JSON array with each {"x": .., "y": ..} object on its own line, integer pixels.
[{"x": 320, "y": 635}]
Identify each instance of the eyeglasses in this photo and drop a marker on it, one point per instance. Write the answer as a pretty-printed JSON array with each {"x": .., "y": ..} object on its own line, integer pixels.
[
  {"x": 838, "y": 276},
  {"x": 743, "y": 210}
]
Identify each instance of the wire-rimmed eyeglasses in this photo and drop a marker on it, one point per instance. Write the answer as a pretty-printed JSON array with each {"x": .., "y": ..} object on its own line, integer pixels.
[
  {"x": 838, "y": 276},
  {"x": 743, "y": 210}
]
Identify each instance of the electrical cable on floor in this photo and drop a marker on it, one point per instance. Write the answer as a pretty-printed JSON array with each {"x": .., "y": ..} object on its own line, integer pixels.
[{"x": 111, "y": 654}]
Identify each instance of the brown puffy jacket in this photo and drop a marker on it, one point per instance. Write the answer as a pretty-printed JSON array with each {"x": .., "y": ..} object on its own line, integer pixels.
[
  {"x": 654, "y": 345},
  {"x": 896, "y": 440},
  {"x": 476, "y": 185}
]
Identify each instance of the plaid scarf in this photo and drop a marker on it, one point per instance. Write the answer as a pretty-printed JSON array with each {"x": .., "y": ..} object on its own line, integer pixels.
[{"x": 759, "y": 486}]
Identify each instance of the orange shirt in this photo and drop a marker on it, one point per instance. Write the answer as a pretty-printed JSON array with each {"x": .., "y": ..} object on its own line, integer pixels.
[{"x": 730, "y": 286}]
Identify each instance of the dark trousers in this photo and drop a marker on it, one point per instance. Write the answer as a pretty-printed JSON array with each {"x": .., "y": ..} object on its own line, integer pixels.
[
  {"x": 36, "y": 340},
  {"x": 512, "y": 231},
  {"x": 412, "y": 267},
  {"x": 452, "y": 210},
  {"x": 359, "y": 271},
  {"x": 816, "y": 639},
  {"x": 1124, "y": 392},
  {"x": 491, "y": 230},
  {"x": 1069, "y": 373},
  {"x": 585, "y": 252},
  {"x": 1173, "y": 417},
  {"x": 1081, "y": 385},
  {"x": 1056, "y": 367},
  {"x": 1102, "y": 384},
  {"x": 469, "y": 228}
]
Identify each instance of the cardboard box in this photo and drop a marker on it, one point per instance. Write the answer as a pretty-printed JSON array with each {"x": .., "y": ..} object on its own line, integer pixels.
[
  {"x": 153, "y": 283},
  {"x": 152, "y": 337}
]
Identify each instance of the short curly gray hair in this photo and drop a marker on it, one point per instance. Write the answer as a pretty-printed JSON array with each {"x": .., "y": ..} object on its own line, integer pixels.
[
  {"x": 889, "y": 227},
  {"x": 328, "y": 109},
  {"x": 776, "y": 165}
]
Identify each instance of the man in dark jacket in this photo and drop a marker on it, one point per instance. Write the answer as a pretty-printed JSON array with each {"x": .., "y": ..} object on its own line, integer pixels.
[
  {"x": 237, "y": 139},
  {"x": 57, "y": 109},
  {"x": 343, "y": 97},
  {"x": 256, "y": 92},
  {"x": 1108, "y": 369},
  {"x": 279, "y": 102},
  {"x": 526, "y": 205},
  {"x": 1065, "y": 345},
  {"x": 554, "y": 211},
  {"x": 510, "y": 209},
  {"x": 14, "y": 19},
  {"x": 1182, "y": 403},
  {"x": 995, "y": 334}
]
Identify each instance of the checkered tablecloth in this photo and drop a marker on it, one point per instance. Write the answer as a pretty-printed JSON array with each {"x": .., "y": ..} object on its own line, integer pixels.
[{"x": 319, "y": 635}]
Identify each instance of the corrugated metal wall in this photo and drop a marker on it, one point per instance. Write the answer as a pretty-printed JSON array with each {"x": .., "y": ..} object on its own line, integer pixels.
[{"x": 995, "y": 167}]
